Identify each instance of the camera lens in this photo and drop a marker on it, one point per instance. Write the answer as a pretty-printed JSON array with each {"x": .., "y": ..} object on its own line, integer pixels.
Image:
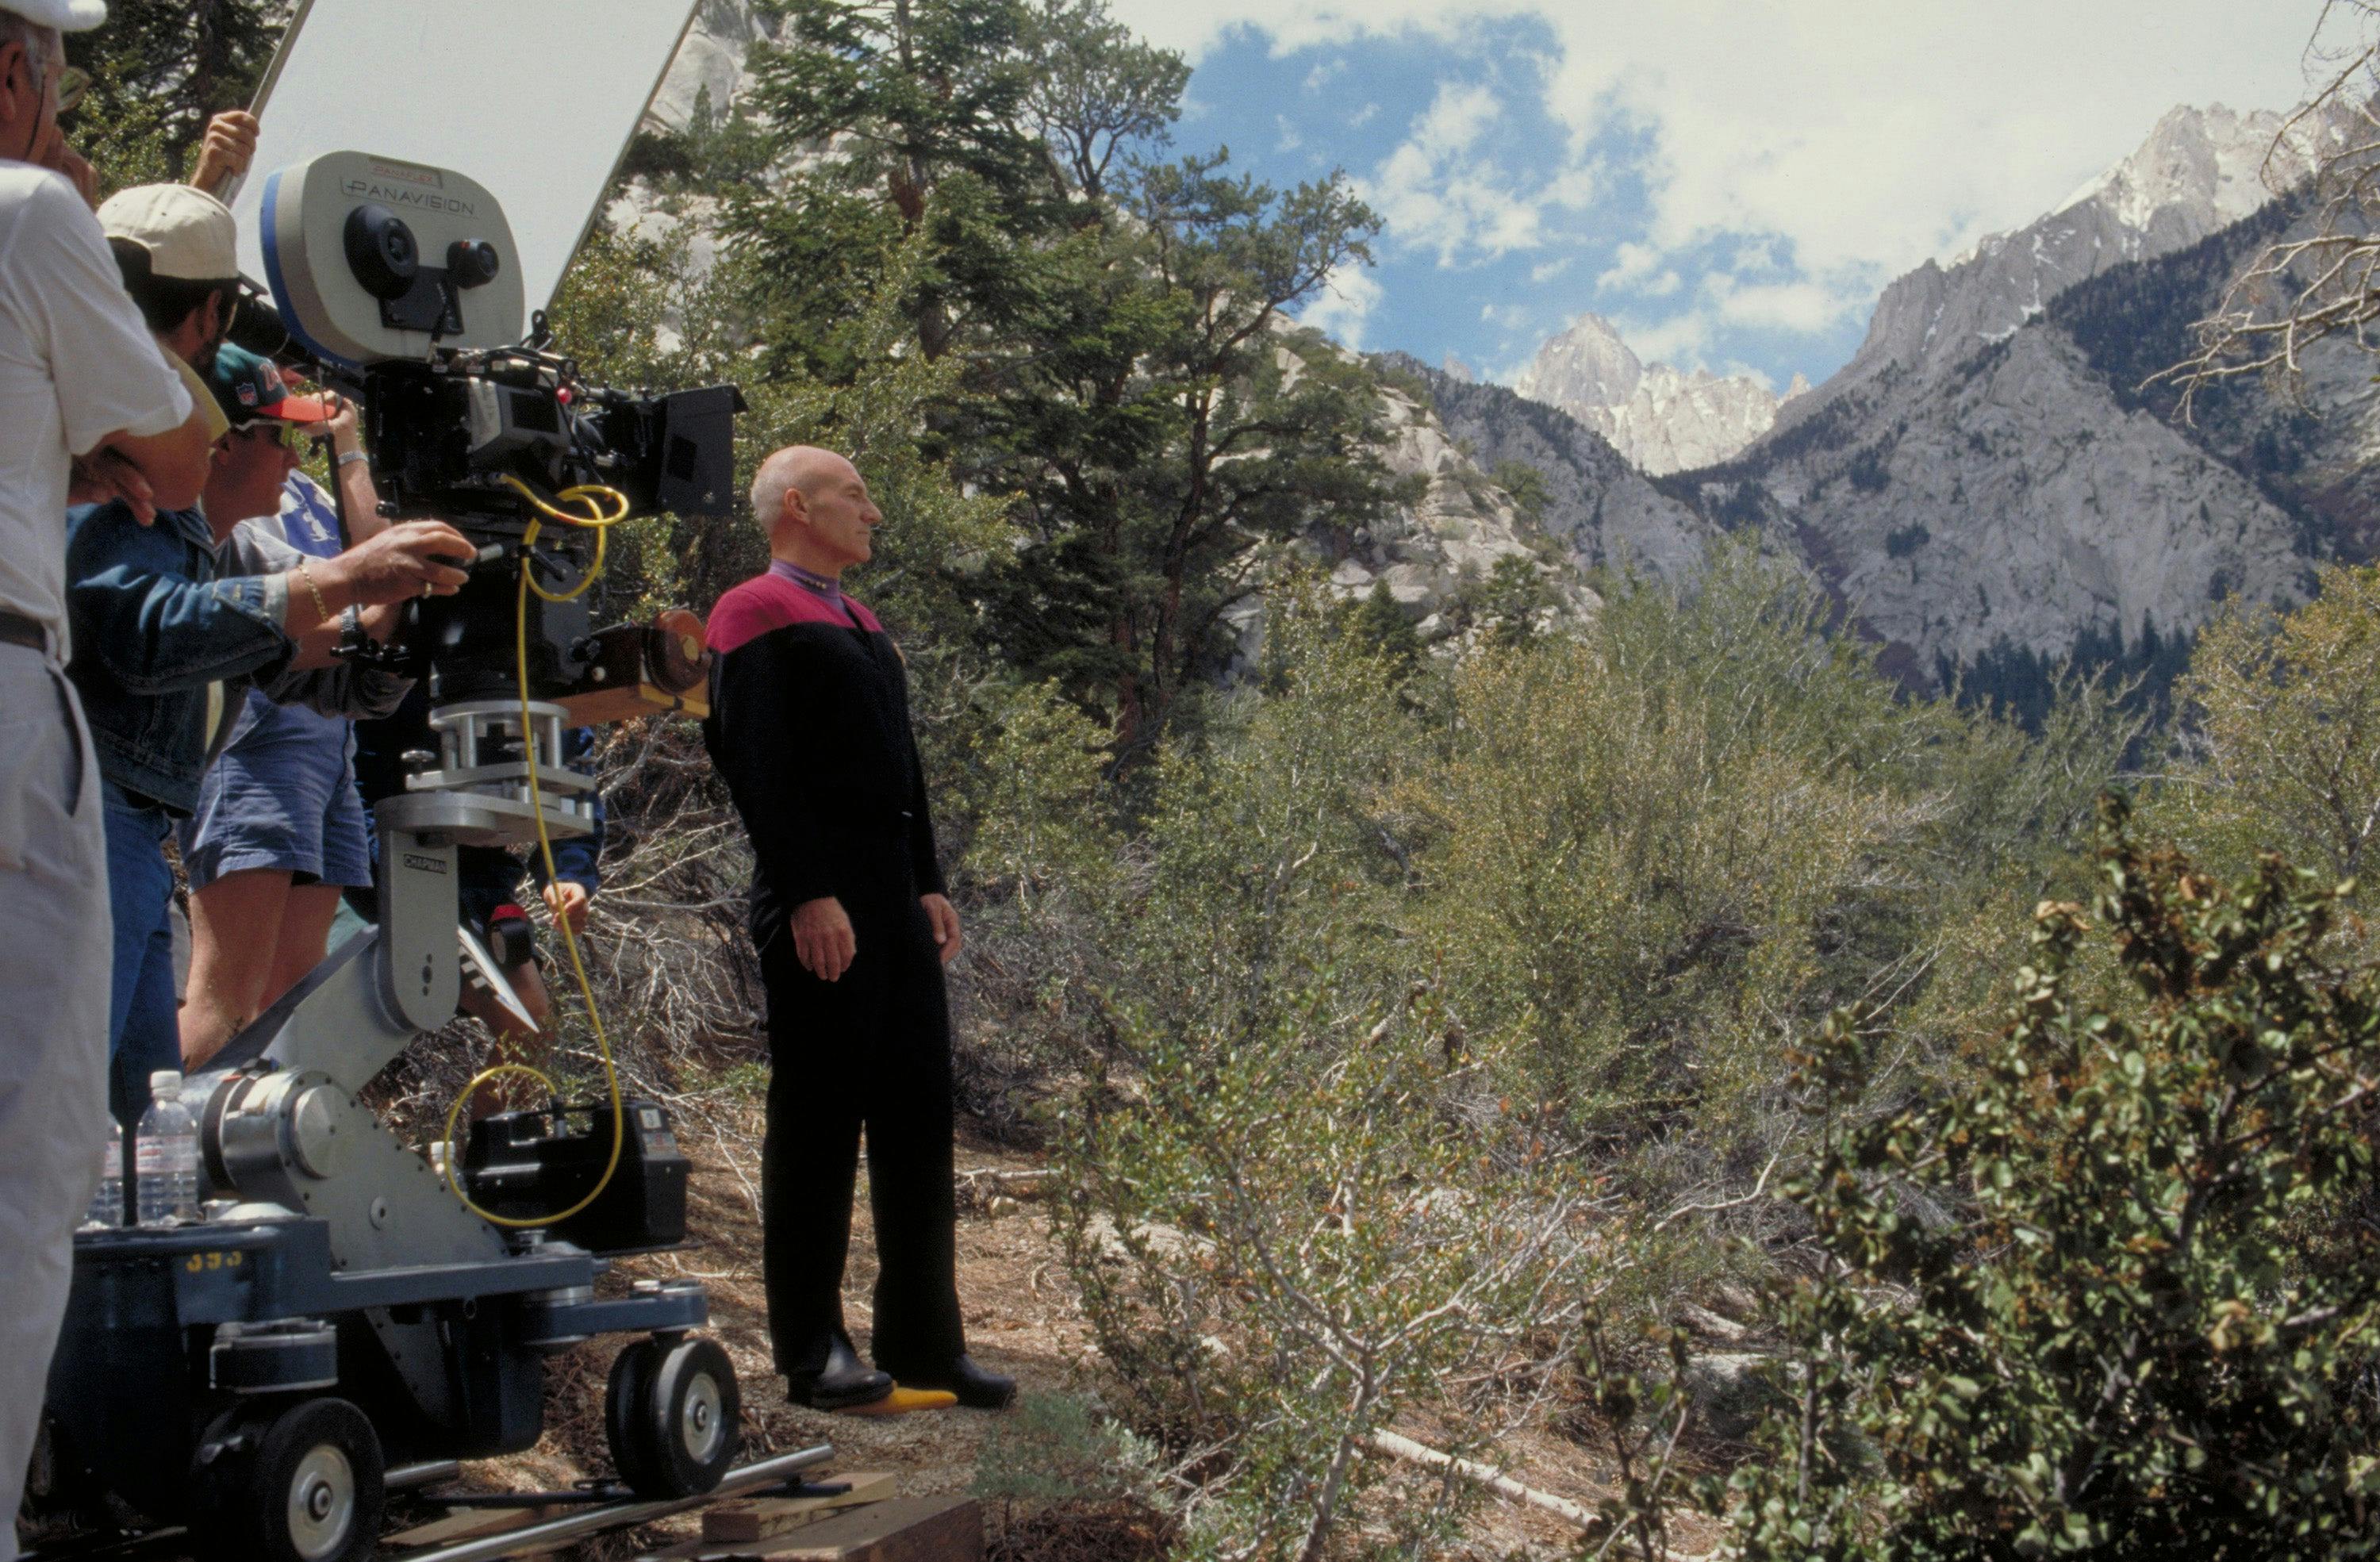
[
  {"x": 381, "y": 251},
  {"x": 471, "y": 262}
]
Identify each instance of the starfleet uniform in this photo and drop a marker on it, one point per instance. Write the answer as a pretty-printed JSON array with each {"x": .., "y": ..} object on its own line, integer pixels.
[{"x": 809, "y": 727}]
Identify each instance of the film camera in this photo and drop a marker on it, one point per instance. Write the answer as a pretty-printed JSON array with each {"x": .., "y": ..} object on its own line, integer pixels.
[{"x": 401, "y": 283}]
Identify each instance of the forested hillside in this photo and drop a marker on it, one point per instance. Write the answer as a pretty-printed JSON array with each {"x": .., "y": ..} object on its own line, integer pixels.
[{"x": 1490, "y": 953}]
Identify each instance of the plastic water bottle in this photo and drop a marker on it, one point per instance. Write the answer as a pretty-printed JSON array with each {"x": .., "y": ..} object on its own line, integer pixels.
[
  {"x": 165, "y": 1155},
  {"x": 108, "y": 1204}
]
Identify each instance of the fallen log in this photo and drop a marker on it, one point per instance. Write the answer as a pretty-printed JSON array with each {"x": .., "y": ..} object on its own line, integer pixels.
[
  {"x": 978, "y": 1189},
  {"x": 1503, "y": 1485},
  {"x": 1496, "y": 1481}
]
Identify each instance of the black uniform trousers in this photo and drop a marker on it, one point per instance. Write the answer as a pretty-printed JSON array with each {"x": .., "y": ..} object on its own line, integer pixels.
[{"x": 871, "y": 1050}]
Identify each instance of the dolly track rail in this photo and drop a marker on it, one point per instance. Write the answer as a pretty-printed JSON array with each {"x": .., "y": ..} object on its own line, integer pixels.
[
  {"x": 551, "y": 1533},
  {"x": 543, "y": 1536}
]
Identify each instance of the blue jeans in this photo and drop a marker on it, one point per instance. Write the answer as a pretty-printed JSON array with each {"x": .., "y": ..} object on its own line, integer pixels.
[{"x": 144, "y": 1027}]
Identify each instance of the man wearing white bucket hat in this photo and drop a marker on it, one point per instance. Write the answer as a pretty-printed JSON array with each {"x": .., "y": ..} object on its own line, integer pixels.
[{"x": 80, "y": 379}]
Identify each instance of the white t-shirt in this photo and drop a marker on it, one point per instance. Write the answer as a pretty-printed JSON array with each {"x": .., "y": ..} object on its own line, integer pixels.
[{"x": 76, "y": 364}]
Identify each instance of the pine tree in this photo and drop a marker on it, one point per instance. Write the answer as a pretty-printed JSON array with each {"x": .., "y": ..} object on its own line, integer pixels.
[
  {"x": 1379, "y": 625},
  {"x": 1130, "y": 377},
  {"x": 160, "y": 68}
]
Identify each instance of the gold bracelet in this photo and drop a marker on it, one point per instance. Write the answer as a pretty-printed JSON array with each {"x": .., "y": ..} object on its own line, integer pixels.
[{"x": 321, "y": 608}]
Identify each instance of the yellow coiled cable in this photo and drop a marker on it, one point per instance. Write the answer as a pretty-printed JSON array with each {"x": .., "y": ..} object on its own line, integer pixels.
[{"x": 597, "y": 521}]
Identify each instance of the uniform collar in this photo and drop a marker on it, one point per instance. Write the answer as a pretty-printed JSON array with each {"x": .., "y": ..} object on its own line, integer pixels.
[{"x": 818, "y": 585}]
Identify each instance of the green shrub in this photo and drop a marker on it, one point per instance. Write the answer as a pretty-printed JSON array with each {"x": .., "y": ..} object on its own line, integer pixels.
[
  {"x": 1288, "y": 1237},
  {"x": 2108, "y": 1302},
  {"x": 1060, "y": 1449}
]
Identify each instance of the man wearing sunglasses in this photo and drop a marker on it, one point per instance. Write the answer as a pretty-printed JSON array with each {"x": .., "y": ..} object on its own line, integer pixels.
[
  {"x": 280, "y": 829},
  {"x": 80, "y": 377}
]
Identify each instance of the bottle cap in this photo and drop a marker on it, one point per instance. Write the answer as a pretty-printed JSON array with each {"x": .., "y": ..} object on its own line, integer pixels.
[{"x": 165, "y": 1082}]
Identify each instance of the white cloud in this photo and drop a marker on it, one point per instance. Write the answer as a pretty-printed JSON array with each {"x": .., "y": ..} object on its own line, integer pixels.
[
  {"x": 1631, "y": 263},
  {"x": 1806, "y": 308},
  {"x": 1682, "y": 340},
  {"x": 1455, "y": 118},
  {"x": 1551, "y": 268},
  {"x": 1344, "y": 305},
  {"x": 1865, "y": 135},
  {"x": 1576, "y": 187},
  {"x": 1439, "y": 191},
  {"x": 1722, "y": 307},
  {"x": 1363, "y": 116},
  {"x": 1435, "y": 193},
  {"x": 1637, "y": 270},
  {"x": 1321, "y": 75},
  {"x": 1290, "y": 140}
]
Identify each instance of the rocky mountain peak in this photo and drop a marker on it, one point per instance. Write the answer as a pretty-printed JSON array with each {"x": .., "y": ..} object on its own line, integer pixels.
[
  {"x": 1587, "y": 365},
  {"x": 1661, "y": 418},
  {"x": 2198, "y": 172},
  {"x": 2201, "y": 166}
]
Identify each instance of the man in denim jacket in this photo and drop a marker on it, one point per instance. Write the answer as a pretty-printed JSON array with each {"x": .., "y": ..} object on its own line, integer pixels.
[{"x": 172, "y": 623}]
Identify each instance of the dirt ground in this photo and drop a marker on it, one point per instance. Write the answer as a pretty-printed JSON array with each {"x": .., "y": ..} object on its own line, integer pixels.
[
  {"x": 1021, "y": 1320},
  {"x": 1018, "y": 1322}
]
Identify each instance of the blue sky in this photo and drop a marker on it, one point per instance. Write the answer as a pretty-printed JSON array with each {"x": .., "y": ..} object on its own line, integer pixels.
[{"x": 1731, "y": 184}]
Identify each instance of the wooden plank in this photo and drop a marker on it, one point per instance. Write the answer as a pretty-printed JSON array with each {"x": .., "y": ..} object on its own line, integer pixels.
[
  {"x": 757, "y": 1519},
  {"x": 946, "y": 1529},
  {"x": 470, "y": 1523}
]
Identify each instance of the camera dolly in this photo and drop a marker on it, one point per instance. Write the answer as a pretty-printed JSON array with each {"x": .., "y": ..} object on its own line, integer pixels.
[{"x": 255, "y": 1376}]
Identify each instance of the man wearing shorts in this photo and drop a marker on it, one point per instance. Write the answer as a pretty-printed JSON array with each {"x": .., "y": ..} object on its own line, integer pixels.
[{"x": 279, "y": 829}]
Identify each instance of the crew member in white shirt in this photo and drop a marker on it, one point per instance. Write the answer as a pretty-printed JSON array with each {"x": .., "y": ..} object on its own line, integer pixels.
[{"x": 80, "y": 380}]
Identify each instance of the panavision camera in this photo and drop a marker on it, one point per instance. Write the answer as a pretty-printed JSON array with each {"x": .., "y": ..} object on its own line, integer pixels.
[{"x": 402, "y": 283}]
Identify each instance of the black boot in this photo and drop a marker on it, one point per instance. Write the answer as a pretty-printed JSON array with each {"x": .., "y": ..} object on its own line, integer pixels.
[
  {"x": 977, "y": 1387},
  {"x": 844, "y": 1381}
]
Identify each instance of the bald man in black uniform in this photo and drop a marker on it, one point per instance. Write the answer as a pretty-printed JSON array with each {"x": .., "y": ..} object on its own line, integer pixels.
[{"x": 809, "y": 726}]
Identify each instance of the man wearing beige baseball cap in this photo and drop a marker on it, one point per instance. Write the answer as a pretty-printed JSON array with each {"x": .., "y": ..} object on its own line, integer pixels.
[
  {"x": 175, "y": 248},
  {"x": 80, "y": 378}
]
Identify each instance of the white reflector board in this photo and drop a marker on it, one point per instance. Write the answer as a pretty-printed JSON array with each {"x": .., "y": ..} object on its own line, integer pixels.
[{"x": 533, "y": 99}]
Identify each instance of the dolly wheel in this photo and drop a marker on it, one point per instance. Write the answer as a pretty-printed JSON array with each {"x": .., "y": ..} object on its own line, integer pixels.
[
  {"x": 626, "y": 1398},
  {"x": 673, "y": 1416},
  {"x": 301, "y": 1486}
]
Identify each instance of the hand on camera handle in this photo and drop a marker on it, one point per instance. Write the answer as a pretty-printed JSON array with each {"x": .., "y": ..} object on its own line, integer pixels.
[
  {"x": 411, "y": 559},
  {"x": 342, "y": 426}
]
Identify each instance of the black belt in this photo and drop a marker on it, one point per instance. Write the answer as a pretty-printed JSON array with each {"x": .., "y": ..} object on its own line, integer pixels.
[{"x": 15, "y": 629}]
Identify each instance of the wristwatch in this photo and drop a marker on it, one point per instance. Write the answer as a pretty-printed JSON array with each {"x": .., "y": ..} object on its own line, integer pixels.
[{"x": 347, "y": 457}]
